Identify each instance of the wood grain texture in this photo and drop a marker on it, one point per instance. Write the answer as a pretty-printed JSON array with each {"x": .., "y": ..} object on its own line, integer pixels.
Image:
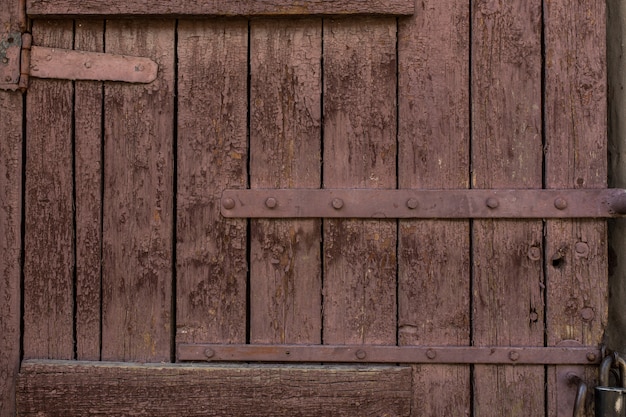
[
  {"x": 49, "y": 240},
  {"x": 77, "y": 388},
  {"x": 433, "y": 258},
  {"x": 576, "y": 149},
  {"x": 138, "y": 194},
  {"x": 360, "y": 152},
  {"x": 507, "y": 152},
  {"x": 38, "y": 8},
  {"x": 88, "y": 36},
  {"x": 285, "y": 152},
  {"x": 11, "y": 163},
  {"x": 212, "y": 155}
]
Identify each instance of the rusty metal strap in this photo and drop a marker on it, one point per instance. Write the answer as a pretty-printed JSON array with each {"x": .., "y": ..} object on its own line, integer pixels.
[
  {"x": 580, "y": 355},
  {"x": 426, "y": 204}
]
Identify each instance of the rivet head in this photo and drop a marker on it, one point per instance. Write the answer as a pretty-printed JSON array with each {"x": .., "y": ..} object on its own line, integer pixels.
[
  {"x": 591, "y": 357},
  {"x": 337, "y": 203},
  {"x": 88, "y": 64},
  {"x": 209, "y": 353},
  {"x": 139, "y": 68},
  {"x": 560, "y": 203},
  {"x": 534, "y": 253},
  {"x": 492, "y": 203},
  {"x": 271, "y": 202},
  {"x": 360, "y": 354},
  {"x": 534, "y": 316},
  {"x": 431, "y": 354},
  {"x": 514, "y": 355},
  {"x": 228, "y": 203},
  {"x": 581, "y": 248},
  {"x": 412, "y": 203},
  {"x": 587, "y": 314}
]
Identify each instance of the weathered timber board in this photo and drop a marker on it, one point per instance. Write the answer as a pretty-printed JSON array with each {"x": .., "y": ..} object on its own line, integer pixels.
[
  {"x": 49, "y": 241},
  {"x": 285, "y": 147},
  {"x": 38, "y": 8},
  {"x": 78, "y": 388},
  {"x": 360, "y": 152},
  {"x": 88, "y": 36},
  {"x": 211, "y": 265},
  {"x": 138, "y": 199},
  {"x": 507, "y": 152},
  {"x": 576, "y": 148},
  {"x": 433, "y": 256},
  {"x": 11, "y": 142}
]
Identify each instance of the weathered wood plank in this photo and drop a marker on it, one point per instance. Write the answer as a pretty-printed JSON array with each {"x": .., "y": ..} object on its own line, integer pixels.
[
  {"x": 360, "y": 151},
  {"x": 88, "y": 36},
  {"x": 37, "y": 8},
  {"x": 507, "y": 152},
  {"x": 212, "y": 155},
  {"x": 285, "y": 149},
  {"x": 576, "y": 149},
  {"x": 138, "y": 199},
  {"x": 433, "y": 258},
  {"x": 11, "y": 160},
  {"x": 49, "y": 240},
  {"x": 79, "y": 388}
]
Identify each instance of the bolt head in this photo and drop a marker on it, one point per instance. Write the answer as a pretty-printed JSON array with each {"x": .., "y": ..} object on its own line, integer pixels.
[
  {"x": 534, "y": 253},
  {"x": 560, "y": 203},
  {"x": 228, "y": 203},
  {"x": 591, "y": 357},
  {"x": 337, "y": 203},
  {"x": 581, "y": 248},
  {"x": 431, "y": 354},
  {"x": 88, "y": 64},
  {"x": 492, "y": 202},
  {"x": 271, "y": 203},
  {"x": 514, "y": 355},
  {"x": 412, "y": 203},
  {"x": 587, "y": 314},
  {"x": 209, "y": 353},
  {"x": 360, "y": 354}
]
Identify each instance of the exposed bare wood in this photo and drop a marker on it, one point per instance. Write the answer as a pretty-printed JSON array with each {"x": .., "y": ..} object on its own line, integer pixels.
[
  {"x": 49, "y": 243},
  {"x": 138, "y": 199},
  {"x": 434, "y": 256},
  {"x": 285, "y": 147},
  {"x": 88, "y": 36},
  {"x": 507, "y": 152},
  {"x": 212, "y": 154},
  {"x": 79, "y": 388},
  {"x": 38, "y": 8},
  {"x": 360, "y": 152},
  {"x": 576, "y": 149}
]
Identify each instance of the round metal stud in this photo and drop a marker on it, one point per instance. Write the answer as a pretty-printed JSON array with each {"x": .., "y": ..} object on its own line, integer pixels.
[
  {"x": 271, "y": 203},
  {"x": 209, "y": 353},
  {"x": 514, "y": 356},
  {"x": 360, "y": 354},
  {"x": 591, "y": 357},
  {"x": 228, "y": 203},
  {"x": 412, "y": 203},
  {"x": 337, "y": 203},
  {"x": 431, "y": 354},
  {"x": 560, "y": 203},
  {"x": 492, "y": 203}
]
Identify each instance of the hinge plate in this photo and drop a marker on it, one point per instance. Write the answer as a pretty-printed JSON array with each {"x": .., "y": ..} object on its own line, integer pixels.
[{"x": 10, "y": 53}]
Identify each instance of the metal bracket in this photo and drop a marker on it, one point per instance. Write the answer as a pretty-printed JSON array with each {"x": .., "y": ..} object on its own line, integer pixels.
[
  {"x": 19, "y": 61},
  {"x": 417, "y": 204}
]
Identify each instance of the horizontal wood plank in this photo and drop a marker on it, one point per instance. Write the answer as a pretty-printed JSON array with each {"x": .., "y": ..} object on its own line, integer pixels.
[
  {"x": 39, "y": 8},
  {"x": 65, "y": 388}
]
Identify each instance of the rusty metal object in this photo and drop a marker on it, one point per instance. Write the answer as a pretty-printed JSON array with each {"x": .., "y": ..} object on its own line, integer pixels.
[
  {"x": 581, "y": 355},
  {"x": 571, "y": 390},
  {"x": 437, "y": 204},
  {"x": 10, "y": 56}
]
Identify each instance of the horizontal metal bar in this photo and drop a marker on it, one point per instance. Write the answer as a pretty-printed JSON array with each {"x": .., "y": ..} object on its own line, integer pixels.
[
  {"x": 580, "y": 355},
  {"x": 407, "y": 204}
]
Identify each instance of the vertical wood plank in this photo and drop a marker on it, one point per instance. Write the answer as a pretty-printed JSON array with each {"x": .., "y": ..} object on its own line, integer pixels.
[
  {"x": 360, "y": 152},
  {"x": 49, "y": 250},
  {"x": 507, "y": 153},
  {"x": 576, "y": 149},
  {"x": 434, "y": 265},
  {"x": 89, "y": 36},
  {"x": 285, "y": 142},
  {"x": 11, "y": 142},
  {"x": 212, "y": 155},
  {"x": 138, "y": 198}
]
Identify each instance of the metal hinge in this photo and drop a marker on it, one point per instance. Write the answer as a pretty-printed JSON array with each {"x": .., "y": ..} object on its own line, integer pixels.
[{"x": 20, "y": 60}]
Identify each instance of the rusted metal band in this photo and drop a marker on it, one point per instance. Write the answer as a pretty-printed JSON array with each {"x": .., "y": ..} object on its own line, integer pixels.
[
  {"x": 584, "y": 355},
  {"x": 426, "y": 204}
]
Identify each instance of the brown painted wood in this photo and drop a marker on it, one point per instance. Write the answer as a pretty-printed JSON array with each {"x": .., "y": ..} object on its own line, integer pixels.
[
  {"x": 433, "y": 256},
  {"x": 211, "y": 266},
  {"x": 219, "y": 8},
  {"x": 507, "y": 152},
  {"x": 88, "y": 36},
  {"x": 49, "y": 243},
  {"x": 576, "y": 149},
  {"x": 55, "y": 388},
  {"x": 138, "y": 199},
  {"x": 360, "y": 152},
  {"x": 285, "y": 152},
  {"x": 11, "y": 142}
]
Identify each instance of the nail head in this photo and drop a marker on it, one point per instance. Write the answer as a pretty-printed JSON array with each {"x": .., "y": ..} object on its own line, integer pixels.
[
  {"x": 271, "y": 202},
  {"x": 492, "y": 203},
  {"x": 412, "y": 203},
  {"x": 337, "y": 203},
  {"x": 228, "y": 203},
  {"x": 560, "y": 203}
]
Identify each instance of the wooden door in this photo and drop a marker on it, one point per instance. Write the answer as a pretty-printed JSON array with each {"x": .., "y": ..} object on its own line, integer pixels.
[{"x": 124, "y": 261}]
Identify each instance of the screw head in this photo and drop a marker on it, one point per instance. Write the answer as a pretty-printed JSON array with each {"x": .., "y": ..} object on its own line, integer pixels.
[
  {"x": 209, "y": 353},
  {"x": 271, "y": 202},
  {"x": 412, "y": 203},
  {"x": 337, "y": 203},
  {"x": 492, "y": 203},
  {"x": 560, "y": 203},
  {"x": 360, "y": 354},
  {"x": 431, "y": 354},
  {"x": 514, "y": 355},
  {"x": 228, "y": 203}
]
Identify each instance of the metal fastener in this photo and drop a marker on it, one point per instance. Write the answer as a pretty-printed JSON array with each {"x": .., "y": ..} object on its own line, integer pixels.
[
  {"x": 534, "y": 253},
  {"x": 360, "y": 354},
  {"x": 431, "y": 354},
  {"x": 228, "y": 203},
  {"x": 412, "y": 203},
  {"x": 591, "y": 357},
  {"x": 560, "y": 203},
  {"x": 492, "y": 203},
  {"x": 587, "y": 314},
  {"x": 337, "y": 203},
  {"x": 88, "y": 64},
  {"x": 514, "y": 355},
  {"x": 271, "y": 202},
  {"x": 139, "y": 68},
  {"x": 209, "y": 353},
  {"x": 5, "y": 60},
  {"x": 581, "y": 248}
]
